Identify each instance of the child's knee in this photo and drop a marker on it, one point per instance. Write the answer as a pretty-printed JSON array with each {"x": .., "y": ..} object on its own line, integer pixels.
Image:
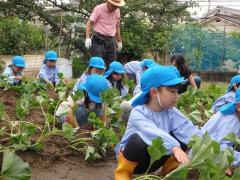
[{"x": 126, "y": 110}]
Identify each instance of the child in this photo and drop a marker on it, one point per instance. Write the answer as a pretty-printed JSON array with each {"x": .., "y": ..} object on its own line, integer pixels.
[
  {"x": 96, "y": 65},
  {"x": 153, "y": 116},
  {"x": 224, "y": 122},
  {"x": 229, "y": 96},
  {"x": 93, "y": 87},
  {"x": 14, "y": 71},
  {"x": 49, "y": 72},
  {"x": 194, "y": 81},
  {"x": 134, "y": 70},
  {"x": 115, "y": 77}
]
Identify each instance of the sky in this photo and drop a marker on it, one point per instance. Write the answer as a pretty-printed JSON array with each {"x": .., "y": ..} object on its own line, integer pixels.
[{"x": 204, "y": 4}]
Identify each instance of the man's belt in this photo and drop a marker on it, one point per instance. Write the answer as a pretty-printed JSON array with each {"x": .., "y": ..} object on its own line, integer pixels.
[{"x": 103, "y": 37}]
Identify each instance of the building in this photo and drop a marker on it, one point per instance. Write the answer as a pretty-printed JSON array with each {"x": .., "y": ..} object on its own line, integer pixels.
[{"x": 222, "y": 19}]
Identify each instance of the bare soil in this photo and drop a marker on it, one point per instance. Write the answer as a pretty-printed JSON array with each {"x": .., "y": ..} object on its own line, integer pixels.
[{"x": 56, "y": 160}]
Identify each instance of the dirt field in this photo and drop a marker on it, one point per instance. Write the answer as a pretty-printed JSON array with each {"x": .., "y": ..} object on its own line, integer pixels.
[{"x": 56, "y": 160}]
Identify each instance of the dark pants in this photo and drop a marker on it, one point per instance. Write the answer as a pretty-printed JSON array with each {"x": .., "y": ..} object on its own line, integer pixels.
[
  {"x": 104, "y": 47},
  {"x": 82, "y": 113},
  {"x": 136, "y": 151},
  {"x": 183, "y": 88}
]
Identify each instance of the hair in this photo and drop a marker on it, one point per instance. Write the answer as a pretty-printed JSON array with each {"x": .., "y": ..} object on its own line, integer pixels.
[
  {"x": 237, "y": 84},
  {"x": 148, "y": 96},
  {"x": 119, "y": 82},
  {"x": 87, "y": 102},
  {"x": 89, "y": 69},
  {"x": 180, "y": 63}
]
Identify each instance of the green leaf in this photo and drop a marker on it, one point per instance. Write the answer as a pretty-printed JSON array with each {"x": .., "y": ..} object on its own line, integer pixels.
[
  {"x": 28, "y": 129},
  {"x": 196, "y": 117},
  {"x": 49, "y": 118},
  {"x": 96, "y": 121},
  {"x": 76, "y": 95},
  {"x": 2, "y": 131},
  {"x": 68, "y": 130},
  {"x": 236, "y": 175},
  {"x": 39, "y": 99},
  {"x": 91, "y": 154},
  {"x": 107, "y": 96},
  {"x": 179, "y": 173},
  {"x": 224, "y": 159},
  {"x": 2, "y": 112},
  {"x": 60, "y": 75},
  {"x": 61, "y": 95},
  {"x": 156, "y": 150},
  {"x": 37, "y": 146},
  {"x": 14, "y": 168},
  {"x": 233, "y": 138}
]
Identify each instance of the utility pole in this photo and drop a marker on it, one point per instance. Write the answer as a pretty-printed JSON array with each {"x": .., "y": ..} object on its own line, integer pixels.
[
  {"x": 60, "y": 34},
  {"x": 224, "y": 44},
  {"x": 209, "y": 5}
]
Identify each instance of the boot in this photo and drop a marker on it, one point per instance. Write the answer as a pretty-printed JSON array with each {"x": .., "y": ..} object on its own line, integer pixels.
[
  {"x": 169, "y": 165},
  {"x": 125, "y": 168}
]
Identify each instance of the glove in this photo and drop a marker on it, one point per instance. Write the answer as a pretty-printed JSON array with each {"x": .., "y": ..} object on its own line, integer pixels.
[
  {"x": 88, "y": 43},
  {"x": 119, "y": 46}
]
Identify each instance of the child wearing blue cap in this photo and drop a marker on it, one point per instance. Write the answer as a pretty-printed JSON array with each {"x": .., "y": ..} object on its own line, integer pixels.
[
  {"x": 93, "y": 87},
  {"x": 195, "y": 81},
  {"x": 230, "y": 94},
  {"x": 224, "y": 122},
  {"x": 115, "y": 77},
  {"x": 96, "y": 66},
  {"x": 14, "y": 71},
  {"x": 134, "y": 70},
  {"x": 49, "y": 72},
  {"x": 153, "y": 116}
]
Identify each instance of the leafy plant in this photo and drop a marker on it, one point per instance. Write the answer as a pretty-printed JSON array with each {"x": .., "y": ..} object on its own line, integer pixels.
[{"x": 13, "y": 167}]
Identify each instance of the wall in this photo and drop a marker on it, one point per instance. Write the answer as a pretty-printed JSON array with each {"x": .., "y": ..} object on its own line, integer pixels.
[{"x": 216, "y": 76}]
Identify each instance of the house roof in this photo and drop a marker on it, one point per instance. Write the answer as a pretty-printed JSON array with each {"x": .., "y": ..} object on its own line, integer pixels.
[
  {"x": 232, "y": 19},
  {"x": 222, "y": 10},
  {"x": 227, "y": 14}
]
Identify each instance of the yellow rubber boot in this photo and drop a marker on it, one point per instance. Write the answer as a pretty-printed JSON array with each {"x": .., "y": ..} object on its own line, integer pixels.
[
  {"x": 169, "y": 166},
  {"x": 125, "y": 168}
]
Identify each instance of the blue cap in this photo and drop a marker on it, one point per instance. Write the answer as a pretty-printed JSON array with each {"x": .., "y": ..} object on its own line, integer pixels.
[
  {"x": 51, "y": 55},
  {"x": 18, "y": 61},
  {"x": 230, "y": 108},
  {"x": 234, "y": 80},
  {"x": 94, "y": 86},
  {"x": 115, "y": 67},
  {"x": 97, "y": 62},
  {"x": 147, "y": 62},
  {"x": 155, "y": 77}
]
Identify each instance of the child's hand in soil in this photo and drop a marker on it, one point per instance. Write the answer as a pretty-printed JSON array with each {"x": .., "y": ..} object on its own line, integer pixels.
[{"x": 180, "y": 155}]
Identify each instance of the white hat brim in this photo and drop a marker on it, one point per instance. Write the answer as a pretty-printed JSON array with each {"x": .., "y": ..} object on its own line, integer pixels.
[{"x": 122, "y": 3}]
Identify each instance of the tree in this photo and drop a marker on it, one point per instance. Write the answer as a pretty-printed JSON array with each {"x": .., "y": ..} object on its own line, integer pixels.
[
  {"x": 144, "y": 23},
  {"x": 18, "y": 37}
]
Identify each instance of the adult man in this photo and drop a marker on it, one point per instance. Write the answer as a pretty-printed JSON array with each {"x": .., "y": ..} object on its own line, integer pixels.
[{"x": 105, "y": 20}]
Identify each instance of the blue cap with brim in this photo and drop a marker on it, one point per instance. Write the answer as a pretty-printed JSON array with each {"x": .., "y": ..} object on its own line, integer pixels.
[
  {"x": 147, "y": 62},
  {"x": 51, "y": 55},
  {"x": 94, "y": 86},
  {"x": 155, "y": 77},
  {"x": 115, "y": 67},
  {"x": 231, "y": 108},
  {"x": 19, "y": 61},
  {"x": 234, "y": 80},
  {"x": 97, "y": 62}
]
